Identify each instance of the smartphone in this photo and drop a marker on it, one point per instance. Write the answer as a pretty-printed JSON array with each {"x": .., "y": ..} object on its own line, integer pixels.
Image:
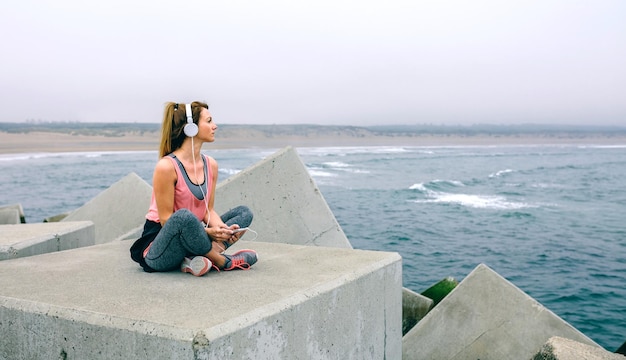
[{"x": 239, "y": 230}]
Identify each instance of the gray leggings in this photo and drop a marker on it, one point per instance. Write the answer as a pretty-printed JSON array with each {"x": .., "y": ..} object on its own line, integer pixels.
[{"x": 184, "y": 235}]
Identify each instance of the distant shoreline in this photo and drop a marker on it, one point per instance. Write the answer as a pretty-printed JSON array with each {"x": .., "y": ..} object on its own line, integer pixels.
[{"x": 12, "y": 143}]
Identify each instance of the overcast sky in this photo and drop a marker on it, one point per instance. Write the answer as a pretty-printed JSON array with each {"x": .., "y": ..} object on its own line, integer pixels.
[{"x": 317, "y": 62}]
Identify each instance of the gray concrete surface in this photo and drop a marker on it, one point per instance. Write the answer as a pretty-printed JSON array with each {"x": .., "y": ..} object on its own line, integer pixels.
[
  {"x": 116, "y": 211},
  {"x": 297, "y": 302},
  {"x": 57, "y": 217},
  {"x": 12, "y": 214},
  {"x": 288, "y": 207},
  {"x": 20, "y": 240},
  {"x": 486, "y": 317},
  {"x": 558, "y": 348},
  {"x": 9, "y": 216}
]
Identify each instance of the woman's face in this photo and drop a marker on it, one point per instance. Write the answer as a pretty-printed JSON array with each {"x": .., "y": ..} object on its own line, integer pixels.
[{"x": 206, "y": 126}]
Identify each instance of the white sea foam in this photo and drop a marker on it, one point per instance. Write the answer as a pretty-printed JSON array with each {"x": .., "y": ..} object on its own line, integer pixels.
[
  {"x": 476, "y": 201},
  {"x": 77, "y": 154},
  {"x": 422, "y": 187},
  {"x": 451, "y": 182},
  {"x": 229, "y": 171},
  {"x": 340, "y": 166},
  {"x": 547, "y": 186},
  {"x": 419, "y": 186},
  {"x": 469, "y": 200},
  {"x": 320, "y": 173},
  {"x": 34, "y": 156},
  {"x": 336, "y": 164},
  {"x": 342, "y": 151},
  {"x": 602, "y": 147},
  {"x": 500, "y": 173}
]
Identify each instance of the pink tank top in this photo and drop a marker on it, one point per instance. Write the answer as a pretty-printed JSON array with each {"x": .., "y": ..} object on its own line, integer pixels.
[{"x": 184, "y": 197}]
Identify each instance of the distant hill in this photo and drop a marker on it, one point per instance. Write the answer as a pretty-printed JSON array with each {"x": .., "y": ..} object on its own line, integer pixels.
[{"x": 307, "y": 130}]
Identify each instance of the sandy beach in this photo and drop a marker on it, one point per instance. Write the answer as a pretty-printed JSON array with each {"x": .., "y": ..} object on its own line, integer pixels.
[{"x": 33, "y": 142}]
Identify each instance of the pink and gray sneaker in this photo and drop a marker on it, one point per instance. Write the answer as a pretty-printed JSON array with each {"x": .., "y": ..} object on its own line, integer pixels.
[
  {"x": 196, "y": 265},
  {"x": 242, "y": 259}
]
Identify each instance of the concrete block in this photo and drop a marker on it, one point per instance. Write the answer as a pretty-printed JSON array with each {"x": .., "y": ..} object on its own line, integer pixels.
[
  {"x": 20, "y": 240},
  {"x": 414, "y": 308},
  {"x": 56, "y": 218},
  {"x": 297, "y": 302},
  {"x": 486, "y": 317},
  {"x": 288, "y": 207},
  {"x": 117, "y": 210},
  {"x": 7, "y": 214},
  {"x": 133, "y": 234},
  {"x": 558, "y": 348}
]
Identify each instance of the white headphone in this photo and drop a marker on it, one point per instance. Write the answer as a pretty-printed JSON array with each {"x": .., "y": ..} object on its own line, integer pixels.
[{"x": 190, "y": 128}]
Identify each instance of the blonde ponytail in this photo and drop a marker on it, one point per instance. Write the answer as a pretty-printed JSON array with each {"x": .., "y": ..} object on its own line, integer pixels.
[
  {"x": 174, "y": 120},
  {"x": 166, "y": 130}
]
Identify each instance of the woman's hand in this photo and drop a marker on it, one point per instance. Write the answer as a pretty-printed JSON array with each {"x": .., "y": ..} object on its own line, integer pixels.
[
  {"x": 224, "y": 236},
  {"x": 221, "y": 233}
]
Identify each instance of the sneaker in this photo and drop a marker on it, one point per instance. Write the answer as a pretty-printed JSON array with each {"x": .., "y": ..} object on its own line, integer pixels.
[
  {"x": 196, "y": 266},
  {"x": 242, "y": 259}
]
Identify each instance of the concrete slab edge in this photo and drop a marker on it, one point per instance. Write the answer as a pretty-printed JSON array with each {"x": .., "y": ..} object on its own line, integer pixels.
[
  {"x": 75, "y": 234},
  {"x": 559, "y": 348},
  {"x": 58, "y": 313},
  {"x": 92, "y": 318},
  {"x": 484, "y": 268},
  {"x": 253, "y": 317}
]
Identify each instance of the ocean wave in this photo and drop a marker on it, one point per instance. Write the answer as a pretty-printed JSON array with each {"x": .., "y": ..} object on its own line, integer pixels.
[
  {"x": 602, "y": 147},
  {"x": 454, "y": 183},
  {"x": 349, "y": 150},
  {"x": 500, "y": 173},
  {"x": 341, "y": 166},
  {"x": 421, "y": 188},
  {"x": 434, "y": 194},
  {"x": 229, "y": 171},
  {"x": 475, "y": 201},
  {"x": 336, "y": 164},
  {"x": 320, "y": 173},
  {"x": 543, "y": 185},
  {"x": 328, "y": 169},
  {"x": 436, "y": 185},
  {"x": 76, "y": 154}
]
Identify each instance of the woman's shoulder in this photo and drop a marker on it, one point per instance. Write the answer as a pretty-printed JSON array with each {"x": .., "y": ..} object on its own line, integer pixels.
[
  {"x": 210, "y": 160},
  {"x": 165, "y": 161},
  {"x": 164, "y": 165}
]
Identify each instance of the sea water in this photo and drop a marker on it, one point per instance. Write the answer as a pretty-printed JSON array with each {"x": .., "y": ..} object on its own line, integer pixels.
[{"x": 550, "y": 219}]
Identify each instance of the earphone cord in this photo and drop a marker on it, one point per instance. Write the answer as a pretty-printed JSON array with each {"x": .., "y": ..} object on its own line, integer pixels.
[
  {"x": 206, "y": 202},
  {"x": 195, "y": 174}
]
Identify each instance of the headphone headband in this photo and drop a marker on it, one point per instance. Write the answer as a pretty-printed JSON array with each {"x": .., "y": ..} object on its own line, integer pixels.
[
  {"x": 190, "y": 128},
  {"x": 188, "y": 113}
]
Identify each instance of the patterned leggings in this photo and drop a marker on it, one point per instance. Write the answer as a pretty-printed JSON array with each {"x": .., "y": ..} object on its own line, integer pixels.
[{"x": 184, "y": 235}]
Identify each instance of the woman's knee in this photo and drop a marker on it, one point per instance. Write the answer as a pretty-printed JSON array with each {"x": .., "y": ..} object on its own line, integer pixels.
[
  {"x": 241, "y": 215},
  {"x": 245, "y": 214},
  {"x": 183, "y": 215},
  {"x": 245, "y": 211}
]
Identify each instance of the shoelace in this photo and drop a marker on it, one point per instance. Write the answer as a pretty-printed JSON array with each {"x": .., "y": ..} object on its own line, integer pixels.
[{"x": 239, "y": 262}]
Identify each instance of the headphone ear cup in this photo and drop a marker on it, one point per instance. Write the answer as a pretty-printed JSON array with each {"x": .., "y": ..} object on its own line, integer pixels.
[{"x": 191, "y": 129}]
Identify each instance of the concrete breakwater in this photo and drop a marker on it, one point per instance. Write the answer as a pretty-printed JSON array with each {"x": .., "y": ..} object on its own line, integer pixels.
[{"x": 311, "y": 296}]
